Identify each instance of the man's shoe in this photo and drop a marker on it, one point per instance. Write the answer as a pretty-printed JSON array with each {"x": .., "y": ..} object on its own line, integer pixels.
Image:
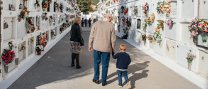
[
  {"x": 96, "y": 81},
  {"x": 72, "y": 65},
  {"x": 78, "y": 67},
  {"x": 103, "y": 84}
]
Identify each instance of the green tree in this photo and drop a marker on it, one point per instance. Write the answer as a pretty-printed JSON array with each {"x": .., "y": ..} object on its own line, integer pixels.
[
  {"x": 85, "y": 5},
  {"x": 95, "y": 2}
]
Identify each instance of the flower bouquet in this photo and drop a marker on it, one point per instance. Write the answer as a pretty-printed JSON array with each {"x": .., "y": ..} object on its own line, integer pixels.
[
  {"x": 170, "y": 23},
  {"x": 198, "y": 26},
  {"x": 160, "y": 7},
  {"x": 164, "y": 7},
  {"x": 144, "y": 38},
  {"x": 152, "y": 17},
  {"x": 146, "y": 9},
  {"x": 144, "y": 26},
  {"x": 157, "y": 37},
  {"x": 37, "y": 4},
  {"x": 7, "y": 56},
  {"x": 190, "y": 57},
  {"x": 23, "y": 13},
  {"x": 167, "y": 8},
  {"x": 193, "y": 27},
  {"x": 29, "y": 24},
  {"x": 45, "y": 5},
  {"x": 150, "y": 38},
  {"x": 126, "y": 11},
  {"x": 148, "y": 21},
  {"x": 160, "y": 24}
]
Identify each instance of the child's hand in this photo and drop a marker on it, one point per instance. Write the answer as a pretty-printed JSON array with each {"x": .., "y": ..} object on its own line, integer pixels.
[{"x": 113, "y": 53}]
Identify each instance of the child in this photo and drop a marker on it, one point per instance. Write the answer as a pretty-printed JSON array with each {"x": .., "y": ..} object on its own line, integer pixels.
[{"x": 123, "y": 60}]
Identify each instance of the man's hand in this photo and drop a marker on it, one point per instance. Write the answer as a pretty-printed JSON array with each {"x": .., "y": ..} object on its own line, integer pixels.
[{"x": 90, "y": 49}]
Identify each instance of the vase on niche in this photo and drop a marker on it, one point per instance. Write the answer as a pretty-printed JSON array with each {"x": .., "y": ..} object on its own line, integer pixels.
[
  {"x": 6, "y": 68},
  {"x": 189, "y": 66},
  {"x": 21, "y": 6},
  {"x": 190, "y": 57},
  {"x": 17, "y": 61},
  {"x": 44, "y": 9}
]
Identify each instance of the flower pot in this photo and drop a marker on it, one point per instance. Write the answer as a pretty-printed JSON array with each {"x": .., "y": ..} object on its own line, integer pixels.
[
  {"x": 44, "y": 9},
  {"x": 6, "y": 67},
  {"x": 189, "y": 66},
  {"x": 204, "y": 37},
  {"x": 17, "y": 61}
]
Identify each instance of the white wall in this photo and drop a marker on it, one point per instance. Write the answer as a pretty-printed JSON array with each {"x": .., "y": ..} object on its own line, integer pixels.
[{"x": 176, "y": 42}]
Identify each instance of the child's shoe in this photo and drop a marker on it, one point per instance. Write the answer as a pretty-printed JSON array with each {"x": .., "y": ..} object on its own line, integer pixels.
[{"x": 120, "y": 85}]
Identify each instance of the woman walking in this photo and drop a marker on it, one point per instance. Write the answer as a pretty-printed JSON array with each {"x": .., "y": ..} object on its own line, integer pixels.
[
  {"x": 89, "y": 22},
  {"x": 76, "y": 42}
]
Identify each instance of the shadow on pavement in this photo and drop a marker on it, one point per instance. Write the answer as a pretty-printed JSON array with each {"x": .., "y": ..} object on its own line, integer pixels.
[{"x": 133, "y": 69}]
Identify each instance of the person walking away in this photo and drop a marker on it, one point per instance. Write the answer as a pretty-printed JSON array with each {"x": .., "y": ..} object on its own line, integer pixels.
[
  {"x": 102, "y": 42},
  {"x": 76, "y": 42},
  {"x": 89, "y": 22},
  {"x": 85, "y": 21},
  {"x": 122, "y": 63},
  {"x": 82, "y": 22}
]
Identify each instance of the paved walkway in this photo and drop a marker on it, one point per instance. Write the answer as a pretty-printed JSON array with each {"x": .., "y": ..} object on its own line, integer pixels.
[{"x": 52, "y": 71}]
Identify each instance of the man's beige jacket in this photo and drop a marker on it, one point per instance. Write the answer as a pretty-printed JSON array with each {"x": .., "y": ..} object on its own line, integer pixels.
[{"x": 102, "y": 36}]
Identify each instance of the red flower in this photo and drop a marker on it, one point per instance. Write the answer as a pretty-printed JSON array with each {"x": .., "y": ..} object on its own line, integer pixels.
[{"x": 8, "y": 56}]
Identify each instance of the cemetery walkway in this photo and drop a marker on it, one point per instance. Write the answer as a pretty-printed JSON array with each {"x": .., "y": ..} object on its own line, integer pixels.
[{"x": 53, "y": 71}]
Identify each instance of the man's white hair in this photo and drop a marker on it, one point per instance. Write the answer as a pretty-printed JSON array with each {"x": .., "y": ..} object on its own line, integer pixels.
[{"x": 107, "y": 16}]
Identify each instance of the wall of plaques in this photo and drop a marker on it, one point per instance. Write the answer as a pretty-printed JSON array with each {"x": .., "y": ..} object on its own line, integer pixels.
[
  {"x": 174, "y": 30},
  {"x": 28, "y": 28}
]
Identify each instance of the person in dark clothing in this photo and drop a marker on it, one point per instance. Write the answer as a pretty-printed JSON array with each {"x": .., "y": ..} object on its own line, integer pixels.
[
  {"x": 85, "y": 21},
  {"x": 82, "y": 22},
  {"x": 89, "y": 22},
  {"x": 123, "y": 61},
  {"x": 76, "y": 42}
]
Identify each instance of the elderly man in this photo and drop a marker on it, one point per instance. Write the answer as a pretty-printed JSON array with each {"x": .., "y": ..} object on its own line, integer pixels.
[{"x": 102, "y": 42}]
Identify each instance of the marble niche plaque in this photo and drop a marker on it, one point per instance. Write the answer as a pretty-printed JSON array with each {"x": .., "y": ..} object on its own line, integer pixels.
[
  {"x": 31, "y": 46},
  {"x": 8, "y": 28},
  {"x": 203, "y": 9},
  {"x": 187, "y": 9},
  {"x": 22, "y": 51},
  {"x": 203, "y": 61}
]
